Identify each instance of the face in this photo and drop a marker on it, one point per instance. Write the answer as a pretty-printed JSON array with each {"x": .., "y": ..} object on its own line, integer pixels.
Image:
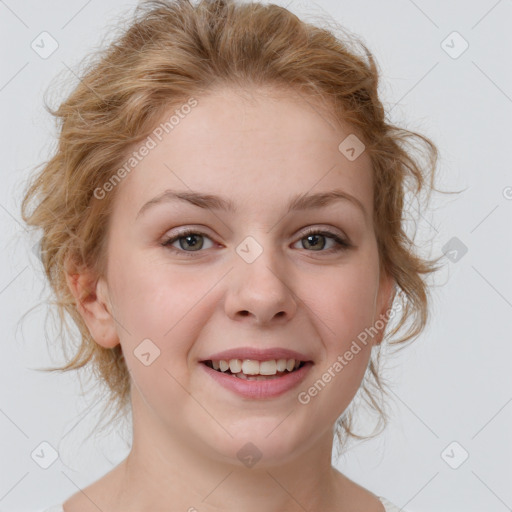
[{"x": 251, "y": 273}]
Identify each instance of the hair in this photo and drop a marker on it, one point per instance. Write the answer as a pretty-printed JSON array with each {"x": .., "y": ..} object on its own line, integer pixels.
[{"x": 171, "y": 51}]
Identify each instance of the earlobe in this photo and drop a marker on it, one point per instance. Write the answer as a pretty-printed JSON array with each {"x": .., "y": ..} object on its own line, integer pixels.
[
  {"x": 387, "y": 292},
  {"x": 93, "y": 304}
]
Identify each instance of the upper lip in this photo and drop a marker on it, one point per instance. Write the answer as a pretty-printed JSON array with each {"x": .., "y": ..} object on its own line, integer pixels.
[{"x": 257, "y": 354}]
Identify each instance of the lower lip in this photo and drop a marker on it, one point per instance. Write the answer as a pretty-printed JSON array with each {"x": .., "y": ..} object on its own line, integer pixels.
[{"x": 259, "y": 389}]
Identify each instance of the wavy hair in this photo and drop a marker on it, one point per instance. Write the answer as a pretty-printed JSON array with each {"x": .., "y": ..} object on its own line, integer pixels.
[{"x": 170, "y": 51}]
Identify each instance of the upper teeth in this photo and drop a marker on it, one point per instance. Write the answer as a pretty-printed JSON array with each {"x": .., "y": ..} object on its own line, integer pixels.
[{"x": 252, "y": 367}]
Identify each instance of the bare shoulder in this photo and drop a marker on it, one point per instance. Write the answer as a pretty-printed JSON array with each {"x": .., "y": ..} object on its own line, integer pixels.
[
  {"x": 97, "y": 495},
  {"x": 103, "y": 494},
  {"x": 357, "y": 498}
]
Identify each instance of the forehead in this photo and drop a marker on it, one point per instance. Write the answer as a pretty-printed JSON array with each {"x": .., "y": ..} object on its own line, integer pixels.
[{"x": 250, "y": 145}]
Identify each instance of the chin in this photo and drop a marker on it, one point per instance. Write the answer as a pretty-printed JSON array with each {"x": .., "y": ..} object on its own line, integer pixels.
[{"x": 261, "y": 443}]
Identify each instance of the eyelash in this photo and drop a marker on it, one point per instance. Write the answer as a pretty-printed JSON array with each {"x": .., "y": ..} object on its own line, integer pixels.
[{"x": 342, "y": 245}]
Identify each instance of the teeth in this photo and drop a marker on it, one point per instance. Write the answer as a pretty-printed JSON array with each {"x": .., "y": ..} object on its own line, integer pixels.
[
  {"x": 235, "y": 365},
  {"x": 268, "y": 368},
  {"x": 255, "y": 377},
  {"x": 251, "y": 367},
  {"x": 281, "y": 365}
]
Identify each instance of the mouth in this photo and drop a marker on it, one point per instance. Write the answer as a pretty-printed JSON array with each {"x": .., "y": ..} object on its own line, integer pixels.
[
  {"x": 254, "y": 373},
  {"x": 252, "y": 379},
  {"x": 254, "y": 370}
]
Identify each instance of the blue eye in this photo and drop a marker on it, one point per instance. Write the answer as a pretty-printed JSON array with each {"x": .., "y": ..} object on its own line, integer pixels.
[{"x": 194, "y": 240}]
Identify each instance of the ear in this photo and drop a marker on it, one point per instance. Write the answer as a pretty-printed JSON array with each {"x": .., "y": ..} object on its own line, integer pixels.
[
  {"x": 93, "y": 304},
  {"x": 385, "y": 297}
]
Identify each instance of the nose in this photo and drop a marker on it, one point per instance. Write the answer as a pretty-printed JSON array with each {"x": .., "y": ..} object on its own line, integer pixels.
[{"x": 261, "y": 292}]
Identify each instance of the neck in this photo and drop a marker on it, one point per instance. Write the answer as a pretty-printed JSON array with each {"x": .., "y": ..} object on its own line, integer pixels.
[{"x": 167, "y": 470}]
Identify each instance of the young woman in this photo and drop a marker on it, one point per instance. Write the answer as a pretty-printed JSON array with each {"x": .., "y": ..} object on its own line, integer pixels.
[{"x": 222, "y": 220}]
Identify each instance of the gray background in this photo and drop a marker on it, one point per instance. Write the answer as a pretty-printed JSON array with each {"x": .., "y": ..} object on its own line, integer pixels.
[{"x": 453, "y": 384}]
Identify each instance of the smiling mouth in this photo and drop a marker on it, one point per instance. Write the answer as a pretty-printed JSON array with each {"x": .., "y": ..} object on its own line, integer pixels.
[{"x": 255, "y": 370}]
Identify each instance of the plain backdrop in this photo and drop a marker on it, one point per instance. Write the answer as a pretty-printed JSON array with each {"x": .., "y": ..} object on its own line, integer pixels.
[{"x": 446, "y": 73}]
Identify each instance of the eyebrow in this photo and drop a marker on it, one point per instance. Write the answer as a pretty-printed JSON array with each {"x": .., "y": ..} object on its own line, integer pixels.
[{"x": 213, "y": 202}]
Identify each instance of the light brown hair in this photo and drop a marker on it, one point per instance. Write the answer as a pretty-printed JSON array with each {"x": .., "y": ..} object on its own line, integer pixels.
[{"x": 174, "y": 50}]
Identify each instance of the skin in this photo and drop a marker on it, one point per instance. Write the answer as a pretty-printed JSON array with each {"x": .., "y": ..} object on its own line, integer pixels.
[{"x": 257, "y": 148}]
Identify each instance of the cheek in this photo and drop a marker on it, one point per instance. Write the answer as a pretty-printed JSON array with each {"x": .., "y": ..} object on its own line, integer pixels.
[
  {"x": 161, "y": 312},
  {"x": 345, "y": 311},
  {"x": 158, "y": 303},
  {"x": 345, "y": 302}
]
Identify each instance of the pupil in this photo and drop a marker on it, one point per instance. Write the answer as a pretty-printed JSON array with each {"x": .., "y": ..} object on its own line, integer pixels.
[
  {"x": 191, "y": 245},
  {"x": 314, "y": 237}
]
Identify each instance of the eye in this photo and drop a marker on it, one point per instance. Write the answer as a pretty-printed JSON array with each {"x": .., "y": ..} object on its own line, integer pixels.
[
  {"x": 316, "y": 239},
  {"x": 191, "y": 241},
  {"x": 188, "y": 239}
]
